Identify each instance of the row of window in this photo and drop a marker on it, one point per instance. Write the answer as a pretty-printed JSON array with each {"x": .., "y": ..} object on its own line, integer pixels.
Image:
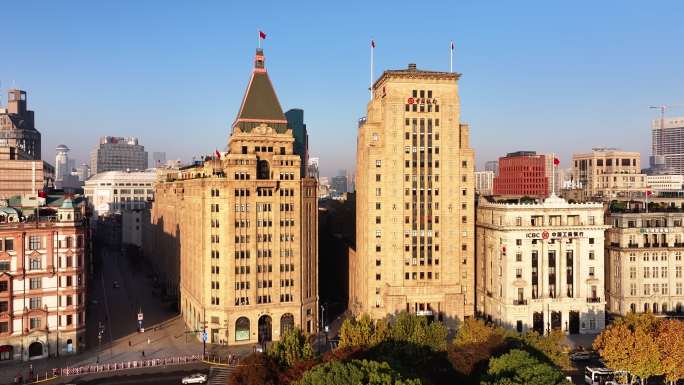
[{"x": 653, "y": 272}]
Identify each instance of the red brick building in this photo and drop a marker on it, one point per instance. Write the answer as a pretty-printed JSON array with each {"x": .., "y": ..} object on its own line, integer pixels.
[
  {"x": 524, "y": 173},
  {"x": 43, "y": 267}
]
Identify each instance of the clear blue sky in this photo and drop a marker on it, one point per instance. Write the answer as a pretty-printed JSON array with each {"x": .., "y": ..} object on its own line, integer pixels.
[{"x": 548, "y": 76}]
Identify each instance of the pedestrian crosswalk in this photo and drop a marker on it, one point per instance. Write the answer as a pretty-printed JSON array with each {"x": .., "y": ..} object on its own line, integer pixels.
[{"x": 219, "y": 375}]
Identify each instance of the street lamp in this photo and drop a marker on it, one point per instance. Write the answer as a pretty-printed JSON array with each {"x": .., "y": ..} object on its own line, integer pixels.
[{"x": 100, "y": 331}]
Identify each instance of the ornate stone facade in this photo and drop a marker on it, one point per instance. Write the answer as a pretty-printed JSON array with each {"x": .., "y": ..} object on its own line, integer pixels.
[
  {"x": 414, "y": 206},
  {"x": 239, "y": 230}
]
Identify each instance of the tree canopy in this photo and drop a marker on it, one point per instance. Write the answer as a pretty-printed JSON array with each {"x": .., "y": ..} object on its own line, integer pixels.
[
  {"x": 354, "y": 372},
  {"x": 630, "y": 344},
  {"x": 291, "y": 348},
  {"x": 519, "y": 367}
]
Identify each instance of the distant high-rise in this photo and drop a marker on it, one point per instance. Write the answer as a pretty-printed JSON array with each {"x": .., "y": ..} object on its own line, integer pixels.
[
  {"x": 118, "y": 154},
  {"x": 492, "y": 165},
  {"x": 19, "y": 138},
  {"x": 340, "y": 183},
  {"x": 83, "y": 172},
  {"x": 22, "y": 171},
  {"x": 158, "y": 159},
  {"x": 295, "y": 120},
  {"x": 668, "y": 141},
  {"x": 62, "y": 162}
]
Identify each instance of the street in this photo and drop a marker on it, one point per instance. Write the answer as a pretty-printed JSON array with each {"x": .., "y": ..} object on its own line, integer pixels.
[{"x": 171, "y": 375}]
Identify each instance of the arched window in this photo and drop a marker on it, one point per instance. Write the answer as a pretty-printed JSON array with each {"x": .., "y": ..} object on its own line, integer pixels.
[
  {"x": 242, "y": 329},
  {"x": 263, "y": 170},
  {"x": 632, "y": 307},
  {"x": 646, "y": 307},
  {"x": 286, "y": 323}
]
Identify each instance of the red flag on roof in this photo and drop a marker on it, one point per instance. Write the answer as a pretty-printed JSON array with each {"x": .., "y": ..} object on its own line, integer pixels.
[
  {"x": 262, "y": 35},
  {"x": 556, "y": 162},
  {"x": 373, "y": 43},
  {"x": 218, "y": 154}
]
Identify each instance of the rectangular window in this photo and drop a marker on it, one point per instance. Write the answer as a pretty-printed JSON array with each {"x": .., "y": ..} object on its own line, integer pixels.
[
  {"x": 34, "y": 242},
  {"x": 35, "y": 283},
  {"x": 35, "y": 323},
  {"x": 35, "y": 302}
]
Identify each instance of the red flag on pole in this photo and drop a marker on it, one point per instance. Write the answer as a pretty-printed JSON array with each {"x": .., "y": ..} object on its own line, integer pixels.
[
  {"x": 373, "y": 43},
  {"x": 262, "y": 35},
  {"x": 218, "y": 154},
  {"x": 556, "y": 162}
]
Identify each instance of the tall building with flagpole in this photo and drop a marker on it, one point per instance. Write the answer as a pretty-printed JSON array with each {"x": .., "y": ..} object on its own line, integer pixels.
[
  {"x": 414, "y": 205},
  {"x": 239, "y": 230}
]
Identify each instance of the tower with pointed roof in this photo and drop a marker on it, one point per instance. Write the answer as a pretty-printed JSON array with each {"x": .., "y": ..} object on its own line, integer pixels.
[{"x": 243, "y": 227}]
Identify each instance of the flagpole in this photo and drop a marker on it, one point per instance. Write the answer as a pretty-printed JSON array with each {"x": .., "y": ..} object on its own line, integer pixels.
[
  {"x": 451, "y": 57},
  {"x": 371, "y": 68},
  {"x": 259, "y": 37},
  {"x": 553, "y": 174}
]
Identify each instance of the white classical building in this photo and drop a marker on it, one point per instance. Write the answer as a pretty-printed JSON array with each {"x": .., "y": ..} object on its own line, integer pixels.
[
  {"x": 540, "y": 266},
  {"x": 112, "y": 191},
  {"x": 644, "y": 261},
  {"x": 665, "y": 182}
]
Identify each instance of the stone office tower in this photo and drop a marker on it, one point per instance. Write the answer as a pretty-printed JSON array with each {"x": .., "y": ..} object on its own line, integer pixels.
[
  {"x": 240, "y": 229},
  {"x": 415, "y": 197}
]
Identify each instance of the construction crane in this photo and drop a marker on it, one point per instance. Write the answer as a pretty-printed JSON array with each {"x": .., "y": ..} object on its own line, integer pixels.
[{"x": 662, "y": 109}]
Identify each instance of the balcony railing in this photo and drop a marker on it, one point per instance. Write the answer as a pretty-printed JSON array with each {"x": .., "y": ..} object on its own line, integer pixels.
[
  {"x": 633, "y": 245},
  {"x": 678, "y": 244},
  {"x": 594, "y": 299},
  {"x": 520, "y": 302}
]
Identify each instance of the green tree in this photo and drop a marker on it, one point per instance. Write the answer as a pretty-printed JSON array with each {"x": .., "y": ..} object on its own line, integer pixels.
[
  {"x": 519, "y": 367},
  {"x": 363, "y": 332},
  {"x": 415, "y": 329},
  {"x": 630, "y": 344},
  {"x": 354, "y": 372},
  {"x": 291, "y": 349}
]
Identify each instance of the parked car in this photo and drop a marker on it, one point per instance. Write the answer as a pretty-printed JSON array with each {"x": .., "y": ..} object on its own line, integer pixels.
[
  {"x": 583, "y": 355},
  {"x": 197, "y": 378}
]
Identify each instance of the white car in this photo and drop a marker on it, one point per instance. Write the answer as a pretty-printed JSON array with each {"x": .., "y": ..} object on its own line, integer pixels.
[{"x": 197, "y": 378}]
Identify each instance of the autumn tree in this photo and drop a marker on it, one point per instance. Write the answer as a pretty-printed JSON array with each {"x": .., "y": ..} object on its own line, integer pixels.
[
  {"x": 519, "y": 367},
  {"x": 629, "y": 344},
  {"x": 362, "y": 332},
  {"x": 291, "y": 348},
  {"x": 256, "y": 369},
  {"x": 475, "y": 343},
  {"x": 549, "y": 346},
  {"x": 670, "y": 342}
]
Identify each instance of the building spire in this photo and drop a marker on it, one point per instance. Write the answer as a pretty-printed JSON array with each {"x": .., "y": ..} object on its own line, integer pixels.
[{"x": 260, "y": 103}]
